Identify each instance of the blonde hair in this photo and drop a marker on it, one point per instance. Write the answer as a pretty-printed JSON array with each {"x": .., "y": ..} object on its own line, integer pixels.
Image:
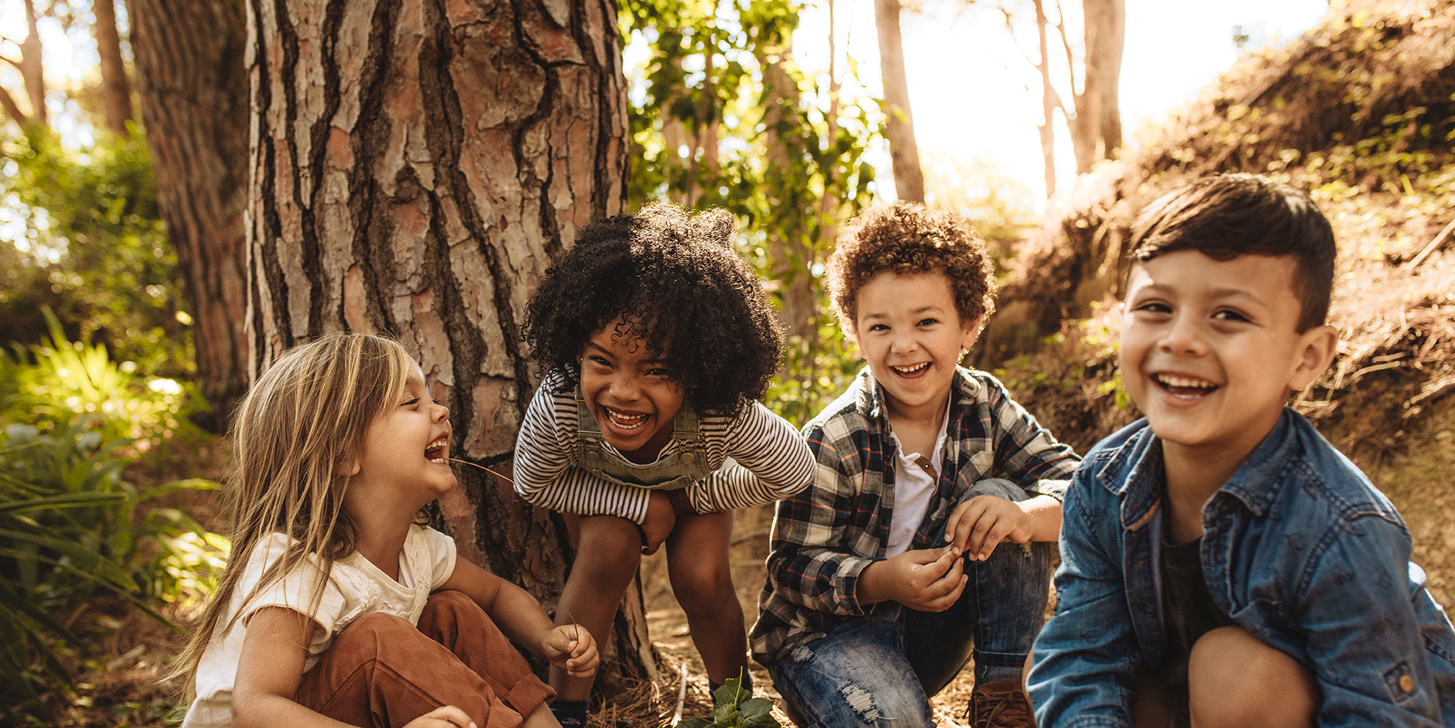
[{"x": 302, "y": 422}]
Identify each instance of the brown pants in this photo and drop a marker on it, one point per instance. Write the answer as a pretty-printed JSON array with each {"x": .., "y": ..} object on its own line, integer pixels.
[{"x": 381, "y": 671}]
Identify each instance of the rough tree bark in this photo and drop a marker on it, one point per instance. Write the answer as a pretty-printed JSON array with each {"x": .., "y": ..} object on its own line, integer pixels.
[
  {"x": 115, "y": 88},
  {"x": 909, "y": 178},
  {"x": 194, "y": 101},
  {"x": 415, "y": 166}
]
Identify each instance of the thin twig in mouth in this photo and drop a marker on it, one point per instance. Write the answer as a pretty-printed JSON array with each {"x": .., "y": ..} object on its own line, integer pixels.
[{"x": 482, "y": 467}]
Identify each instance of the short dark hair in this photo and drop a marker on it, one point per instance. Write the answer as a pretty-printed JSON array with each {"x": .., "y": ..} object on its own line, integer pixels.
[
  {"x": 682, "y": 289},
  {"x": 1230, "y": 215},
  {"x": 908, "y": 238}
]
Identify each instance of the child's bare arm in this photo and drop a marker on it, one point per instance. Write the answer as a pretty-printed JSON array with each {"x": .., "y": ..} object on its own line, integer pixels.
[{"x": 520, "y": 618}]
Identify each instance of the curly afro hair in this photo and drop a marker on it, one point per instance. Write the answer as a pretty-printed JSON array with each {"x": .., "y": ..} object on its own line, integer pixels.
[
  {"x": 909, "y": 238},
  {"x": 676, "y": 281}
]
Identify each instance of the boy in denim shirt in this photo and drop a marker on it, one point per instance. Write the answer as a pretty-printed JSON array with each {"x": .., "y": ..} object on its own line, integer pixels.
[
  {"x": 1222, "y": 564},
  {"x": 914, "y": 541}
]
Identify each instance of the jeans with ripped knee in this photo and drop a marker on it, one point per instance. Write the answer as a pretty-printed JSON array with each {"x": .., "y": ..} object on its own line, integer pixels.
[{"x": 880, "y": 670}]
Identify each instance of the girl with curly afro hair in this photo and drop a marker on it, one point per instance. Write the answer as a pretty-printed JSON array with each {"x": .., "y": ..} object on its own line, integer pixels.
[{"x": 657, "y": 341}]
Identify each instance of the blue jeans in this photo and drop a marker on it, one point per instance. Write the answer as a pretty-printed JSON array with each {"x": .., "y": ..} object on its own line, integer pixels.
[{"x": 881, "y": 670}]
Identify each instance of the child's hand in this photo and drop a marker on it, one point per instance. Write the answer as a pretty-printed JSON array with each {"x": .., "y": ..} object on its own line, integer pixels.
[
  {"x": 929, "y": 580},
  {"x": 571, "y": 648},
  {"x": 445, "y": 717},
  {"x": 982, "y": 522},
  {"x": 661, "y": 519}
]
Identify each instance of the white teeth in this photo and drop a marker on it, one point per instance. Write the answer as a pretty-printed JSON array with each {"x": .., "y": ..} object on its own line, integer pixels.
[
  {"x": 910, "y": 370},
  {"x": 625, "y": 421},
  {"x": 1181, "y": 382},
  {"x": 439, "y": 444},
  {"x": 439, "y": 461}
]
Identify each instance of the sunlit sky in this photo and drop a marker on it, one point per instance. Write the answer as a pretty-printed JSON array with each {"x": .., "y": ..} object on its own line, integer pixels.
[{"x": 974, "y": 94}]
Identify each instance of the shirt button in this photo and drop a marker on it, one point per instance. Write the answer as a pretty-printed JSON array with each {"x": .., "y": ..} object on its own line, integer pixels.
[
  {"x": 1406, "y": 683},
  {"x": 688, "y": 457}
]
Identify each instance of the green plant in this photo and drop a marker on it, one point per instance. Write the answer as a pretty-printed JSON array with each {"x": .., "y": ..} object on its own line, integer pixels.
[
  {"x": 57, "y": 380},
  {"x": 70, "y": 528},
  {"x": 735, "y": 707}
]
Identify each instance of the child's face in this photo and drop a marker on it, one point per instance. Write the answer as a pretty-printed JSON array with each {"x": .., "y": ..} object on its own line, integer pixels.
[
  {"x": 406, "y": 450},
  {"x": 626, "y": 386},
  {"x": 908, "y": 329},
  {"x": 1210, "y": 349}
]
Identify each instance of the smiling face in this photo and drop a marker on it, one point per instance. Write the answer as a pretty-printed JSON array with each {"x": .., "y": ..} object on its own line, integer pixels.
[
  {"x": 404, "y": 462},
  {"x": 1210, "y": 349},
  {"x": 626, "y": 386},
  {"x": 908, "y": 329}
]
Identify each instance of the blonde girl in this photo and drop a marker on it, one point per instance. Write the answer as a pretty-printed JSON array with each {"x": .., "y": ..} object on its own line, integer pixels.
[{"x": 338, "y": 607}]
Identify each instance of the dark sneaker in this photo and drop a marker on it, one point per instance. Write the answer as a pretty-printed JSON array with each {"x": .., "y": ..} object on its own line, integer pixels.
[{"x": 1000, "y": 705}]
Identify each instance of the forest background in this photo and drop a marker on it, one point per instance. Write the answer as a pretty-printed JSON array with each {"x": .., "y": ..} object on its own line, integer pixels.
[{"x": 222, "y": 179}]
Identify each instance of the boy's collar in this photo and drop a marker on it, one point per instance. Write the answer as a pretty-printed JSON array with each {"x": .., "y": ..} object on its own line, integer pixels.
[
  {"x": 963, "y": 390},
  {"x": 1250, "y": 482}
]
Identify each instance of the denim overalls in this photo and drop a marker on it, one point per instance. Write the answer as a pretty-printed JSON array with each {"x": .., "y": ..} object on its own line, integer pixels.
[{"x": 677, "y": 470}]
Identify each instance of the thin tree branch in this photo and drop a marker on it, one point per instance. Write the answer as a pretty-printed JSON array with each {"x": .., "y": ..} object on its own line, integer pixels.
[
  {"x": 1070, "y": 57},
  {"x": 13, "y": 109}
]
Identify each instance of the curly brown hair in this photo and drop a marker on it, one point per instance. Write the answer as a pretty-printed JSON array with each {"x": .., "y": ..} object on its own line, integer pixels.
[
  {"x": 908, "y": 238},
  {"x": 676, "y": 278}
]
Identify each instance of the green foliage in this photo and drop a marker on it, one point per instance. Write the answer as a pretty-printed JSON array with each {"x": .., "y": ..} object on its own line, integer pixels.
[
  {"x": 70, "y": 529},
  {"x": 51, "y": 383},
  {"x": 82, "y": 234},
  {"x": 735, "y": 707},
  {"x": 788, "y": 158}
]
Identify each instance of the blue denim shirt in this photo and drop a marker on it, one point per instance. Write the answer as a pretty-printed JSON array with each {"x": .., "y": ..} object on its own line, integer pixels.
[{"x": 1301, "y": 551}]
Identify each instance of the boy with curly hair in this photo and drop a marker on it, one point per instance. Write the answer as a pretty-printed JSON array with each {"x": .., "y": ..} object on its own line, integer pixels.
[
  {"x": 1222, "y": 564},
  {"x": 657, "y": 341},
  {"x": 925, "y": 536}
]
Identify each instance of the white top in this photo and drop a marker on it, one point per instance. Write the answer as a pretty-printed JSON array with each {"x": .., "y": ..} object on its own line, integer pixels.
[
  {"x": 914, "y": 488},
  {"x": 762, "y": 443},
  {"x": 354, "y": 588}
]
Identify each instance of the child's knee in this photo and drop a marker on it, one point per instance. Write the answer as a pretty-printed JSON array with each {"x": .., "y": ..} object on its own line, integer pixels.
[
  {"x": 366, "y": 635},
  {"x": 1236, "y": 680},
  {"x": 703, "y": 584},
  {"x": 610, "y": 547}
]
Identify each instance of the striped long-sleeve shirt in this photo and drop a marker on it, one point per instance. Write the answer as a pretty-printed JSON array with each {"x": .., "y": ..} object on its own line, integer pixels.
[
  {"x": 824, "y": 537},
  {"x": 773, "y": 462}
]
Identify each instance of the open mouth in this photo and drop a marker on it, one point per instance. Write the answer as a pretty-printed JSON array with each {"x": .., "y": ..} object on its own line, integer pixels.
[
  {"x": 438, "y": 451},
  {"x": 624, "y": 422},
  {"x": 911, "y": 370},
  {"x": 1184, "y": 387}
]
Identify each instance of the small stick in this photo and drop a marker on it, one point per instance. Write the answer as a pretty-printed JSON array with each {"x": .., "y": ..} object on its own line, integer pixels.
[
  {"x": 681, "y": 695},
  {"x": 575, "y": 629},
  {"x": 482, "y": 467}
]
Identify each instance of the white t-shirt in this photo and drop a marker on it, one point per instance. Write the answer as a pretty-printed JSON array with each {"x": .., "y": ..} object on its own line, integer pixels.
[
  {"x": 355, "y": 588},
  {"x": 914, "y": 488}
]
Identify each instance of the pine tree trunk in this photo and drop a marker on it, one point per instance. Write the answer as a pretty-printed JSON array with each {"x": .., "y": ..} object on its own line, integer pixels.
[
  {"x": 115, "y": 88},
  {"x": 909, "y": 178},
  {"x": 32, "y": 68},
  {"x": 415, "y": 166},
  {"x": 193, "y": 89}
]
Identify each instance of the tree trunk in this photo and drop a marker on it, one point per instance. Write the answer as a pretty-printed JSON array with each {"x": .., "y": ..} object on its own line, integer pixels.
[
  {"x": 32, "y": 69},
  {"x": 193, "y": 88},
  {"x": 909, "y": 179},
  {"x": 1096, "y": 125},
  {"x": 791, "y": 255},
  {"x": 1048, "y": 102},
  {"x": 115, "y": 89},
  {"x": 415, "y": 166},
  {"x": 1106, "y": 22}
]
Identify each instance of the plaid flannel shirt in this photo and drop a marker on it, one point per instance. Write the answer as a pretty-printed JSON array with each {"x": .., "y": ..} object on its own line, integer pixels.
[{"x": 824, "y": 537}]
